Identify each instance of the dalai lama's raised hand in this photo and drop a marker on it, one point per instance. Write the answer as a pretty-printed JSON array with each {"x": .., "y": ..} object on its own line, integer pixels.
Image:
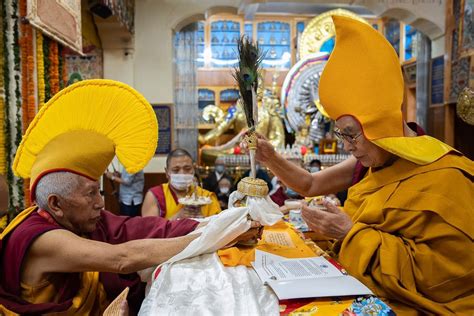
[
  {"x": 329, "y": 221},
  {"x": 265, "y": 150}
]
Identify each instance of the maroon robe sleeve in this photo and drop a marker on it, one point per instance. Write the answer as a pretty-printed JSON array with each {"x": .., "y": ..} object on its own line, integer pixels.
[
  {"x": 13, "y": 249},
  {"x": 279, "y": 197},
  {"x": 116, "y": 229}
]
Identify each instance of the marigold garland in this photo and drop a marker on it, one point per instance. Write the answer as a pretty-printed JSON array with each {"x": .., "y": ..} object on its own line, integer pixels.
[
  {"x": 16, "y": 202},
  {"x": 7, "y": 38},
  {"x": 3, "y": 160},
  {"x": 54, "y": 69},
  {"x": 46, "y": 63},
  {"x": 40, "y": 68},
  {"x": 64, "y": 69},
  {"x": 61, "y": 66},
  {"x": 28, "y": 80}
]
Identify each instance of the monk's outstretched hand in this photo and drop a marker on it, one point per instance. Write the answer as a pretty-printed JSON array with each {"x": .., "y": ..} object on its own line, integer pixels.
[
  {"x": 329, "y": 221},
  {"x": 253, "y": 234}
]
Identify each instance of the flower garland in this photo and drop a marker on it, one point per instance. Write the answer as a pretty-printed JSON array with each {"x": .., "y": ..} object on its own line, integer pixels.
[
  {"x": 64, "y": 70},
  {"x": 54, "y": 70},
  {"x": 12, "y": 101},
  {"x": 27, "y": 70},
  {"x": 3, "y": 110},
  {"x": 17, "y": 204},
  {"x": 61, "y": 67},
  {"x": 7, "y": 39},
  {"x": 47, "y": 66},
  {"x": 28, "y": 80},
  {"x": 40, "y": 68}
]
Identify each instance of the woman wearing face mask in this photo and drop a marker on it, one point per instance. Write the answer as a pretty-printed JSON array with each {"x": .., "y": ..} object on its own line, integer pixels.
[{"x": 162, "y": 200}]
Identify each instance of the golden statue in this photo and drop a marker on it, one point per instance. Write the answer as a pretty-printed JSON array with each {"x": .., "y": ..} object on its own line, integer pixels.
[{"x": 270, "y": 124}]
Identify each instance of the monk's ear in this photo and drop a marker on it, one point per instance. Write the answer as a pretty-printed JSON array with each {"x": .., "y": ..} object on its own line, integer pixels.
[{"x": 56, "y": 205}]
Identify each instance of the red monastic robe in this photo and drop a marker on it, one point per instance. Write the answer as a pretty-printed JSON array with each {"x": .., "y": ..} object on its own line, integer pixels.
[{"x": 111, "y": 229}]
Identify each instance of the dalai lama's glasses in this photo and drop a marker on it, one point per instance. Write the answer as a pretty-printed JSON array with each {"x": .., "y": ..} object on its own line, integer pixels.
[{"x": 348, "y": 138}]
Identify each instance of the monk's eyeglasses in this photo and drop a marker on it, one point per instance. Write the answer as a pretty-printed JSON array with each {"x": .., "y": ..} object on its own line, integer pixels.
[{"x": 345, "y": 137}]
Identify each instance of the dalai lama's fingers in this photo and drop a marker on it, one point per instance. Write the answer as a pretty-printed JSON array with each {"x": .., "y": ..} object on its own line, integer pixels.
[
  {"x": 331, "y": 207},
  {"x": 265, "y": 150},
  {"x": 332, "y": 222}
]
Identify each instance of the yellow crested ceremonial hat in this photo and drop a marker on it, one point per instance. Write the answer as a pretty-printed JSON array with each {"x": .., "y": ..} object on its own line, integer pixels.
[
  {"x": 363, "y": 79},
  {"x": 83, "y": 127}
]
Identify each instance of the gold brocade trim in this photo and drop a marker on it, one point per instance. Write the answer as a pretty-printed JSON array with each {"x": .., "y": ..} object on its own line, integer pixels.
[{"x": 253, "y": 187}]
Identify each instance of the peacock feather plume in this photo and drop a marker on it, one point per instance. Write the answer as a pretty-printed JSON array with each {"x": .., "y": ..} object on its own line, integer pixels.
[{"x": 246, "y": 75}]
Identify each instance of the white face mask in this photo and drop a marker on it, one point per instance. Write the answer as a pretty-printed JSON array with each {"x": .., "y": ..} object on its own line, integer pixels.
[
  {"x": 314, "y": 169},
  {"x": 224, "y": 190},
  {"x": 181, "y": 181}
]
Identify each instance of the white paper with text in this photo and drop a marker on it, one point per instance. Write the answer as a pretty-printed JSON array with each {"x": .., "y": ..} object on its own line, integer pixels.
[{"x": 305, "y": 277}]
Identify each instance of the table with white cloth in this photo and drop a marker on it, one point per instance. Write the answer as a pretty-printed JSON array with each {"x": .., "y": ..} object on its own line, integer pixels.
[{"x": 222, "y": 283}]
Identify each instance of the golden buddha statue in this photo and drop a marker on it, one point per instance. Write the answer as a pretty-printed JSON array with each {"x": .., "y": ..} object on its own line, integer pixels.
[
  {"x": 270, "y": 124},
  {"x": 302, "y": 137}
]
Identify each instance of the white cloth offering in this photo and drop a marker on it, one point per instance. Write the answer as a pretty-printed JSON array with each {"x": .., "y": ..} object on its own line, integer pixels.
[{"x": 202, "y": 285}]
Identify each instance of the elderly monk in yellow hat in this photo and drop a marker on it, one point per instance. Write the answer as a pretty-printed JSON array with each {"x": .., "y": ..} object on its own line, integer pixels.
[
  {"x": 66, "y": 254},
  {"x": 406, "y": 229}
]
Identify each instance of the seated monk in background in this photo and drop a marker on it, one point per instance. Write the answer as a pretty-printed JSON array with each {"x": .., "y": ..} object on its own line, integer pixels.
[
  {"x": 162, "y": 200},
  {"x": 67, "y": 254},
  {"x": 406, "y": 228}
]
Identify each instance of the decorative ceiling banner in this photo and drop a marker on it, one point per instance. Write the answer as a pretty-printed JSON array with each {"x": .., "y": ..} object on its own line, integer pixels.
[{"x": 59, "y": 19}]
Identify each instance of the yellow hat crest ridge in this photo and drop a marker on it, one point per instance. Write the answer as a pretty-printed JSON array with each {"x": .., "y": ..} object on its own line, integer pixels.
[{"x": 83, "y": 126}]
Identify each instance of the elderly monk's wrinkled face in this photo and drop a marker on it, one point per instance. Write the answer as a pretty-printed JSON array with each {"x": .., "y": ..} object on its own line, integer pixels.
[
  {"x": 369, "y": 154},
  {"x": 81, "y": 210},
  {"x": 180, "y": 165}
]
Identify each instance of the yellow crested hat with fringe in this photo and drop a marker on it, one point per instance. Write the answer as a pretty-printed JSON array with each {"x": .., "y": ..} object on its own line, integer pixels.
[
  {"x": 363, "y": 79},
  {"x": 83, "y": 127}
]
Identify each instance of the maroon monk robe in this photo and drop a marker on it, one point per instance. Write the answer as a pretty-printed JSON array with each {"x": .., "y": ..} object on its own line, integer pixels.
[
  {"x": 159, "y": 195},
  {"x": 111, "y": 228}
]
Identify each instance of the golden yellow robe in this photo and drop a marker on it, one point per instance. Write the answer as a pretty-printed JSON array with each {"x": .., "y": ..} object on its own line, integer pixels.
[
  {"x": 412, "y": 239},
  {"x": 173, "y": 206}
]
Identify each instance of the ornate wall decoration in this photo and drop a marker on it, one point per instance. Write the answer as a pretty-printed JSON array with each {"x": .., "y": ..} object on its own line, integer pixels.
[
  {"x": 468, "y": 25},
  {"x": 321, "y": 29},
  {"x": 88, "y": 66},
  {"x": 460, "y": 72},
  {"x": 60, "y": 19},
  {"x": 300, "y": 99},
  {"x": 165, "y": 127}
]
